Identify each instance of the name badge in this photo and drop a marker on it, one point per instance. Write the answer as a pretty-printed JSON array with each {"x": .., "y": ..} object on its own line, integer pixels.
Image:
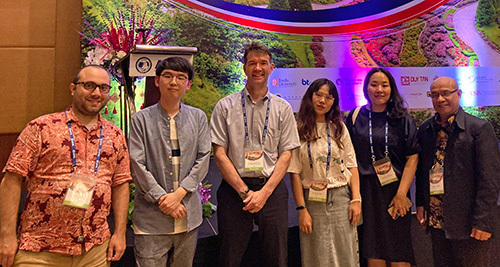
[
  {"x": 254, "y": 160},
  {"x": 436, "y": 181},
  {"x": 318, "y": 191},
  {"x": 80, "y": 191},
  {"x": 385, "y": 173}
]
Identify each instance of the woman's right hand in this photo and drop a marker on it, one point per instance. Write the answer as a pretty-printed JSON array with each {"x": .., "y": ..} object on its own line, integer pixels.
[{"x": 305, "y": 221}]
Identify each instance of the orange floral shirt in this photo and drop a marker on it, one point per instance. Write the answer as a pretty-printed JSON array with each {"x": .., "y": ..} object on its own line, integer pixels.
[{"x": 42, "y": 154}]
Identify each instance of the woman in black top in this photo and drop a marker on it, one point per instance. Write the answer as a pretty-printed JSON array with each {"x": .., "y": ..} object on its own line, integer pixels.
[{"x": 385, "y": 235}]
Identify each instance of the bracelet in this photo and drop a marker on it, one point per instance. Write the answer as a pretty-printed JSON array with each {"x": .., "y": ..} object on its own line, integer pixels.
[
  {"x": 356, "y": 200},
  {"x": 300, "y": 207}
]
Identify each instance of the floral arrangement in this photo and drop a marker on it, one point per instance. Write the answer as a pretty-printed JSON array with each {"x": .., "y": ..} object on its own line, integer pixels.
[
  {"x": 124, "y": 30},
  {"x": 208, "y": 207}
]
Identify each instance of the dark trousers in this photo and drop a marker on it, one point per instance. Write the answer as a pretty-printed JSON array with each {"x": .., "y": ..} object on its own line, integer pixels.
[
  {"x": 236, "y": 225},
  {"x": 455, "y": 253}
]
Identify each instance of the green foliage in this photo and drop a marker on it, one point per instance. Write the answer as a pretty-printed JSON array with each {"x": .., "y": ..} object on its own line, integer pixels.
[
  {"x": 485, "y": 13},
  {"x": 208, "y": 209},
  {"x": 202, "y": 95},
  {"x": 302, "y": 5},
  {"x": 279, "y": 4},
  {"x": 226, "y": 75},
  {"x": 300, "y": 46},
  {"x": 491, "y": 114},
  {"x": 410, "y": 55},
  {"x": 420, "y": 116}
]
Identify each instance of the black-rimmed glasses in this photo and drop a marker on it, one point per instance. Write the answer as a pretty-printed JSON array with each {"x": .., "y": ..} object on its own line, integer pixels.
[{"x": 90, "y": 86}]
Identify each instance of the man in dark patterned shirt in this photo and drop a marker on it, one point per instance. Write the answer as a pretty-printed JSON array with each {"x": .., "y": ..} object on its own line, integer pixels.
[
  {"x": 76, "y": 165},
  {"x": 457, "y": 179}
]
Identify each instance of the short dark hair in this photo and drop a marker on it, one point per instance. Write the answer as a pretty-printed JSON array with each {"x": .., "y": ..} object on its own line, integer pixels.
[
  {"x": 396, "y": 104},
  {"x": 77, "y": 74},
  {"x": 177, "y": 64},
  {"x": 257, "y": 47}
]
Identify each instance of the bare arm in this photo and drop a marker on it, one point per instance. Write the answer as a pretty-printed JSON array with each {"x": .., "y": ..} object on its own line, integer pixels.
[
  {"x": 305, "y": 220},
  {"x": 355, "y": 206},
  {"x": 399, "y": 200},
  {"x": 120, "y": 200},
  {"x": 227, "y": 169},
  {"x": 256, "y": 200},
  {"x": 10, "y": 194}
]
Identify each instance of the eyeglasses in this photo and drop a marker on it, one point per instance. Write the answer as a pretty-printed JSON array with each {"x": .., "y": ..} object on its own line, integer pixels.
[
  {"x": 445, "y": 93},
  {"x": 90, "y": 86},
  {"x": 320, "y": 96},
  {"x": 180, "y": 78}
]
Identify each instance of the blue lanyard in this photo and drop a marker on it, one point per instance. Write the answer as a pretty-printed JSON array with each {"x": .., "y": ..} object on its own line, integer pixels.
[
  {"x": 371, "y": 136},
  {"x": 329, "y": 151},
  {"x": 73, "y": 148},
  {"x": 264, "y": 133}
]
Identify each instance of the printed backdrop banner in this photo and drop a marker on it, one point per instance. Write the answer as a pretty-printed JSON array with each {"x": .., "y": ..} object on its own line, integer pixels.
[{"x": 480, "y": 85}]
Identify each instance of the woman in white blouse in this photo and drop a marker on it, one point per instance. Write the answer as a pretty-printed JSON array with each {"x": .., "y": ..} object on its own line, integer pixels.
[{"x": 325, "y": 181}]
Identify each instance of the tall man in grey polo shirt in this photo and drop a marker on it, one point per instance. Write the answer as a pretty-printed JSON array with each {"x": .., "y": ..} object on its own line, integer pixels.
[
  {"x": 253, "y": 133},
  {"x": 169, "y": 155}
]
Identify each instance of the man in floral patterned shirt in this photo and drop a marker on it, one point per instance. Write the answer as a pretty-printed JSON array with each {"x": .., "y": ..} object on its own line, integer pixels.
[{"x": 75, "y": 164}]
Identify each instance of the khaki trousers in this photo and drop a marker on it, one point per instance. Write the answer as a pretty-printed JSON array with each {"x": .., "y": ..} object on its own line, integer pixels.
[{"x": 95, "y": 257}]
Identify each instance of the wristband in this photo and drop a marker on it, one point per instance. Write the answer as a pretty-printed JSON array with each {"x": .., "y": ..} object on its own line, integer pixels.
[
  {"x": 356, "y": 200},
  {"x": 300, "y": 207}
]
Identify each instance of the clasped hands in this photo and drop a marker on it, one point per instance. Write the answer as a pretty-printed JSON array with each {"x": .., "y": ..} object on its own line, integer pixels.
[
  {"x": 255, "y": 200},
  {"x": 170, "y": 204}
]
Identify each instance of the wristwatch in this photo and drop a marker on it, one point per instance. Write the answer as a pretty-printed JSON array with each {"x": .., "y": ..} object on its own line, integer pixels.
[
  {"x": 244, "y": 194},
  {"x": 300, "y": 207}
]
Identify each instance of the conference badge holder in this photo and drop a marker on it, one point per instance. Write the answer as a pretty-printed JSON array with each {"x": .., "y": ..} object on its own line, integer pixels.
[
  {"x": 318, "y": 191},
  {"x": 436, "y": 181},
  {"x": 80, "y": 191},
  {"x": 384, "y": 170},
  {"x": 254, "y": 160}
]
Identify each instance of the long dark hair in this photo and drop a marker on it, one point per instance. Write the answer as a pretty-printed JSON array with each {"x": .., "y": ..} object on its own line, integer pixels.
[
  {"x": 306, "y": 123},
  {"x": 396, "y": 104}
]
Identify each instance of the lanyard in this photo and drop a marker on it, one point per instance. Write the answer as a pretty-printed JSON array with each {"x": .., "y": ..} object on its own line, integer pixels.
[
  {"x": 371, "y": 136},
  {"x": 329, "y": 151},
  {"x": 264, "y": 133},
  {"x": 73, "y": 148}
]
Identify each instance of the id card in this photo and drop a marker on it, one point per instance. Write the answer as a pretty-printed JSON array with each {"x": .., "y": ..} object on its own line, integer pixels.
[
  {"x": 80, "y": 191},
  {"x": 318, "y": 191},
  {"x": 385, "y": 173},
  {"x": 254, "y": 160},
  {"x": 436, "y": 181}
]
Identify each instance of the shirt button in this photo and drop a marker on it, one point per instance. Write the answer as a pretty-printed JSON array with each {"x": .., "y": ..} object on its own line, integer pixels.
[
  {"x": 168, "y": 119},
  {"x": 80, "y": 239},
  {"x": 171, "y": 174},
  {"x": 168, "y": 141},
  {"x": 169, "y": 157}
]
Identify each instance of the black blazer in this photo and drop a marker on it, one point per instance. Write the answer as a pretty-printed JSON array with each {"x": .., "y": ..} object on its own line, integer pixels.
[{"x": 471, "y": 174}]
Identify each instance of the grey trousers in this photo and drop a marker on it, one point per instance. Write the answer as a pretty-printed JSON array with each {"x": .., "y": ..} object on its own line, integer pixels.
[{"x": 152, "y": 250}]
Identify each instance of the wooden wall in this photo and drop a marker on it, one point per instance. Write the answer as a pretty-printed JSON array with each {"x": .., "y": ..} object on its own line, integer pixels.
[{"x": 39, "y": 54}]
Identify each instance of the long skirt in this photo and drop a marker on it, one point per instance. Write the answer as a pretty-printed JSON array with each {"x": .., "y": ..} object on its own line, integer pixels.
[{"x": 333, "y": 241}]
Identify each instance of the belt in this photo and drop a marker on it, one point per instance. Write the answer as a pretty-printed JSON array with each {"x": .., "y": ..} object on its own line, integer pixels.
[{"x": 255, "y": 180}]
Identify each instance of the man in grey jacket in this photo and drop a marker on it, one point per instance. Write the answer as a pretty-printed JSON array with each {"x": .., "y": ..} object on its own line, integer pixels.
[{"x": 169, "y": 154}]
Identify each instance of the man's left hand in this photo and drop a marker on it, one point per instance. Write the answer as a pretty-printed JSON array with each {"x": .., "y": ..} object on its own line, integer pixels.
[
  {"x": 255, "y": 201},
  {"x": 480, "y": 235},
  {"x": 116, "y": 248}
]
